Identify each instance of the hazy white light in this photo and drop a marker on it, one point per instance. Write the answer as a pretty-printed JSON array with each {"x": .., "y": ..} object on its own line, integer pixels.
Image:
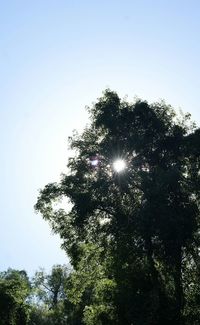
[
  {"x": 119, "y": 165},
  {"x": 94, "y": 162}
]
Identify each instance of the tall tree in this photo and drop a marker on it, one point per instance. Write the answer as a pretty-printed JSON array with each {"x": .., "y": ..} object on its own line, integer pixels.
[{"x": 133, "y": 185}]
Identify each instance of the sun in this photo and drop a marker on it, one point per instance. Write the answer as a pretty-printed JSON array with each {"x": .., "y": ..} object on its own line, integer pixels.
[{"x": 119, "y": 165}]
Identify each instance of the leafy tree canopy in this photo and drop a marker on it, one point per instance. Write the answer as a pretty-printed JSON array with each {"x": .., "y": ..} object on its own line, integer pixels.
[
  {"x": 14, "y": 293},
  {"x": 141, "y": 224}
]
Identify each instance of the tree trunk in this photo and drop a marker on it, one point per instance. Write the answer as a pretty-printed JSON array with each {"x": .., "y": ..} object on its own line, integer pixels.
[
  {"x": 155, "y": 277},
  {"x": 179, "y": 295}
]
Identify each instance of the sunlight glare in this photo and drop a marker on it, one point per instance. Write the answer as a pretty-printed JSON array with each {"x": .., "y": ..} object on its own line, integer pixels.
[{"x": 119, "y": 165}]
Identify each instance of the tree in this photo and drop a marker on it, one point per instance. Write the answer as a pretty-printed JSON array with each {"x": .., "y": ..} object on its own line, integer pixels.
[
  {"x": 50, "y": 296},
  {"x": 15, "y": 290},
  {"x": 144, "y": 218},
  {"x": 90, "y": 289}
]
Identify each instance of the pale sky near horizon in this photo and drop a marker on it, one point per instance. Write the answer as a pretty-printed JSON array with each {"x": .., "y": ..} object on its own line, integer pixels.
[{"x": 58, "y": 56}]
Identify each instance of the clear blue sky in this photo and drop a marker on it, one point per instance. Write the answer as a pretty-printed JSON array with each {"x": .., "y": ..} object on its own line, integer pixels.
[{"x": 55, "y": 58}]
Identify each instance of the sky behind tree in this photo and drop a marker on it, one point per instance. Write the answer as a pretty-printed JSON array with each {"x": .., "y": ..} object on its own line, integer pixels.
[{"x": 56, "y": 57}]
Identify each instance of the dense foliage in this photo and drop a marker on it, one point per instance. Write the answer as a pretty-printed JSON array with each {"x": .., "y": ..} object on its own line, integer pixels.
[
  {"x": 37, "y": 301},
  {"x": 132, "y": 236},
  {"x": 14, "y": 290}
]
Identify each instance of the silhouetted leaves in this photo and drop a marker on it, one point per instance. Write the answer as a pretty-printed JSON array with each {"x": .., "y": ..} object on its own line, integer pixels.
[{"x": 144, "y": 221}]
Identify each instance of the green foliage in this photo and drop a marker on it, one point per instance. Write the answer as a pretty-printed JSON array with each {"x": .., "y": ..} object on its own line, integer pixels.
[
  {"x": 14, "y": 292},
  {"x": 131, "y": 236},
  {"x": 90, "y": 289},
  {"x": 49, "y": 288},
  {"x": 40, "y": 301},
  {"x": 49, "y": 296}
]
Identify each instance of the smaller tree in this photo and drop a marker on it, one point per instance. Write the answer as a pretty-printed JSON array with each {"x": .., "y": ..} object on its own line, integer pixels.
[
  {"x": 15, "y": 290},
  {"x": 49, "y": 293}
]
